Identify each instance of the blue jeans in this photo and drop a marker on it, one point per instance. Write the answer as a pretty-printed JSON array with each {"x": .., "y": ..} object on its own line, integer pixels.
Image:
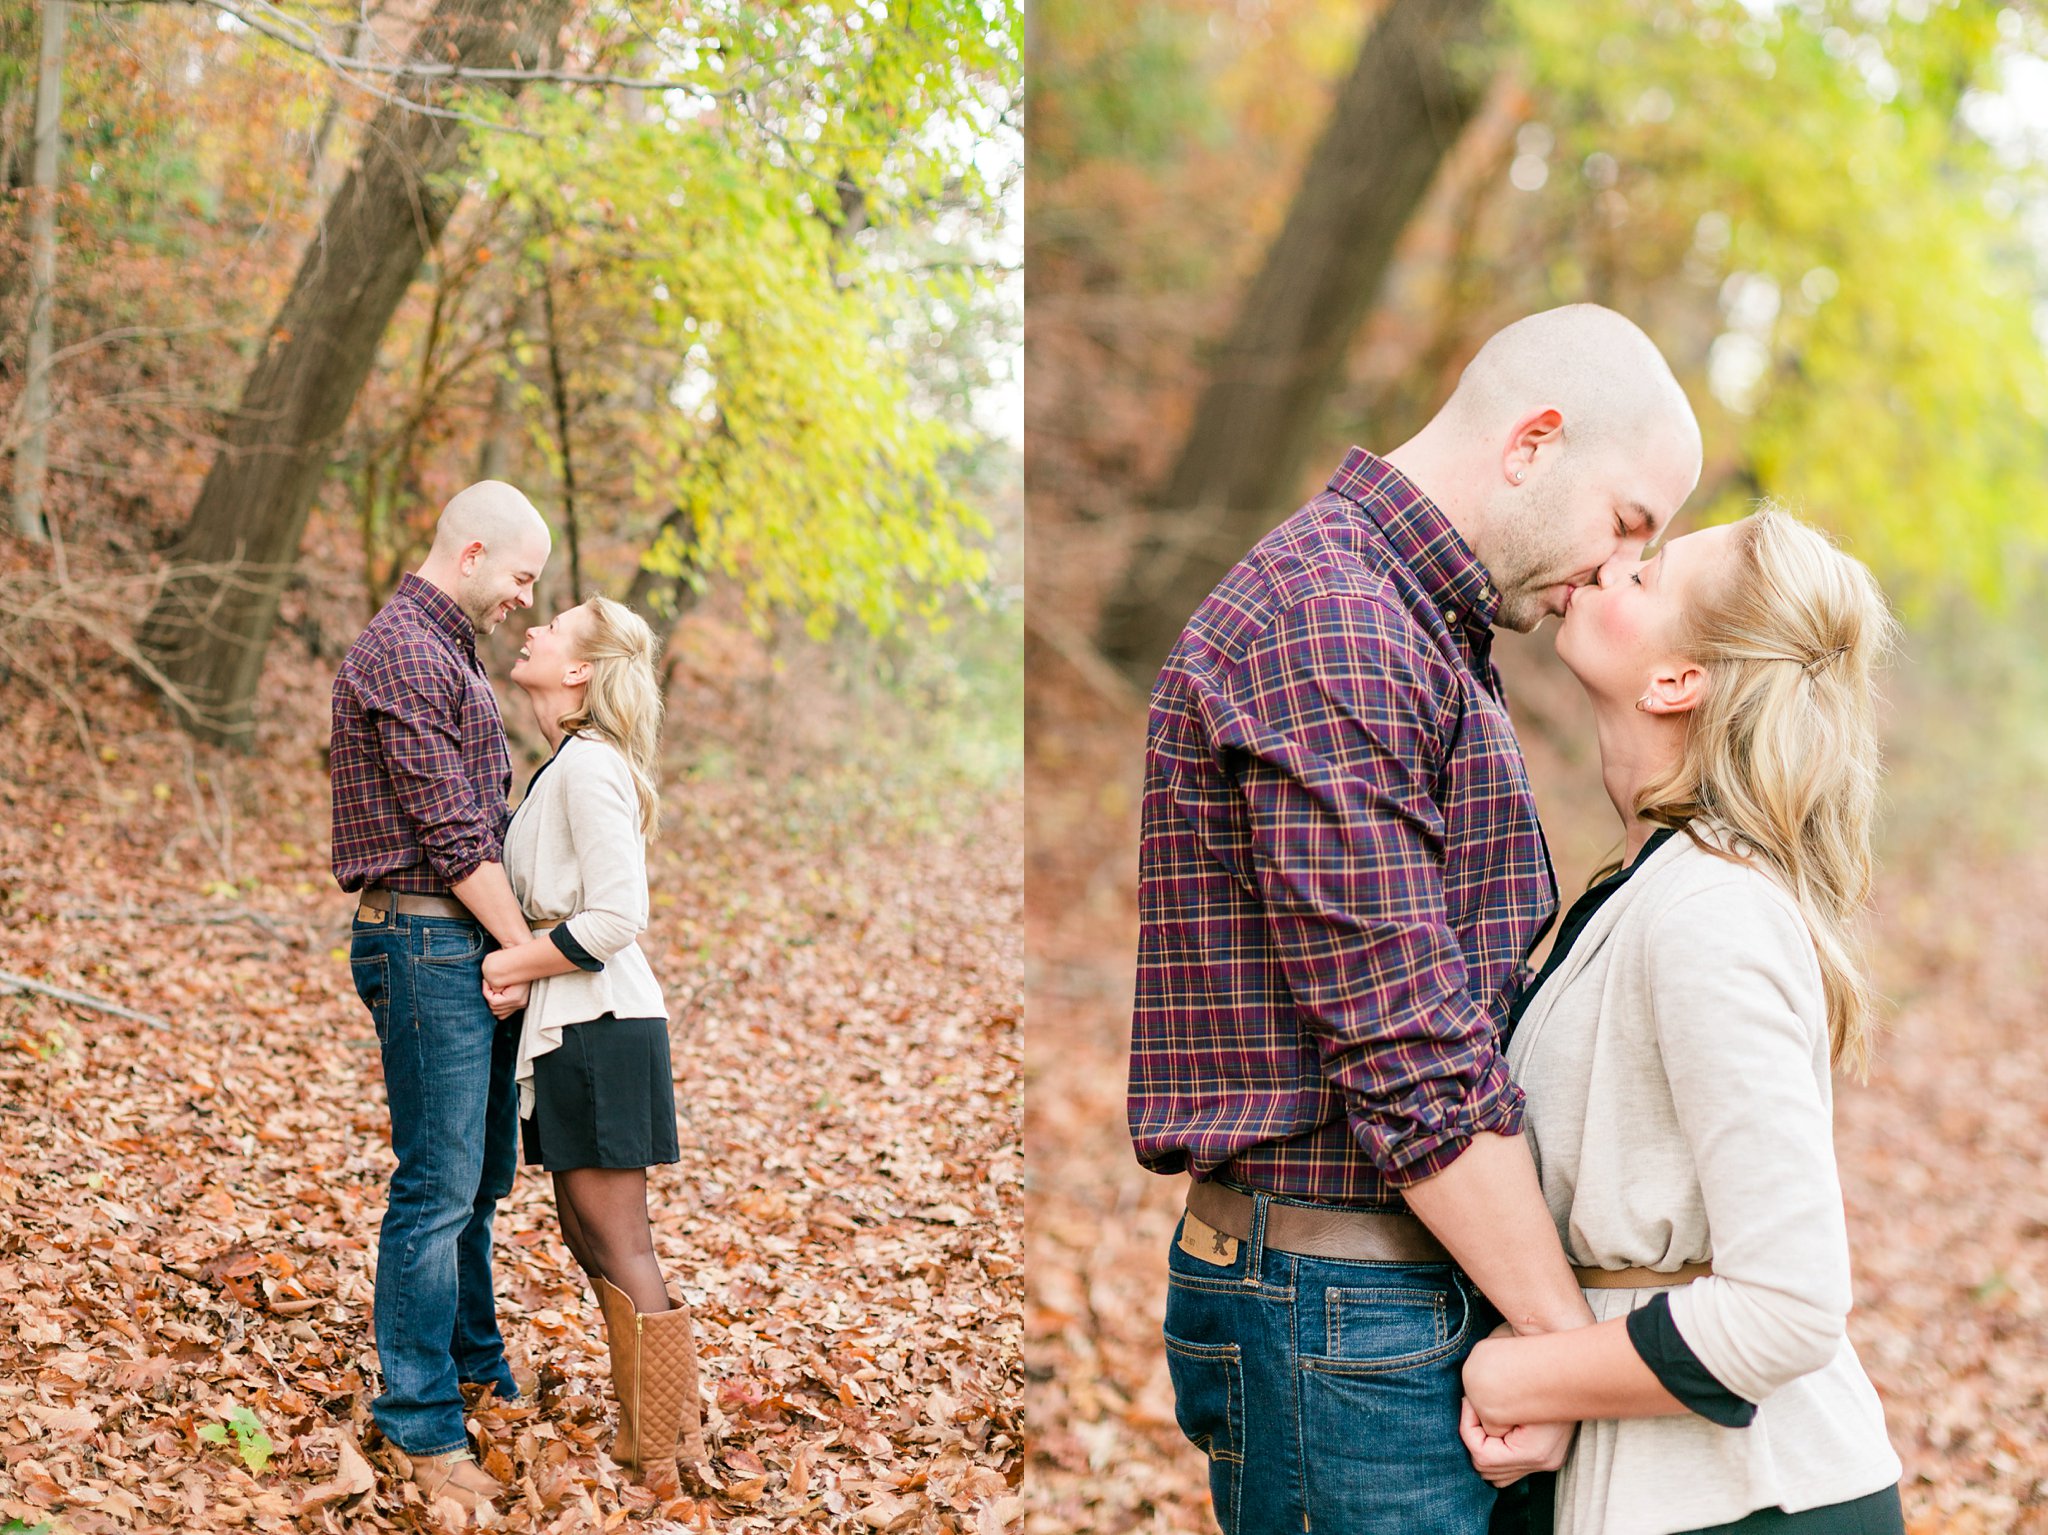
[
  {"x": 1325, "y": 1392},
  {"x": 454, "y": 1128}
]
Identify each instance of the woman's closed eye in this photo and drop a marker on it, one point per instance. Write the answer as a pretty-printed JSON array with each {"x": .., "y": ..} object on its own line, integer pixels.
[{"x": 1636, "y": 576}]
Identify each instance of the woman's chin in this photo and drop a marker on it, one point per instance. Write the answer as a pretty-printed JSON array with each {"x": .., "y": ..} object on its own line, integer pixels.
[{"x": 1567, "y": 647}]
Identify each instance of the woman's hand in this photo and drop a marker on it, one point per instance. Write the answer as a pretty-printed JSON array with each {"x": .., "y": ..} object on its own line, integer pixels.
[
  {"x": 1503, "y": 1450},
  {"x": 1504, "y": 1456},
  {"x": 504, "y": 1001}
]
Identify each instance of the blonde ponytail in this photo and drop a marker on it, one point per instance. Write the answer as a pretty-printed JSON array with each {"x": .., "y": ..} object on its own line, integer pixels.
[
  {"x": 622, "y": 703},
  {"x": 1783, "y": 750}
]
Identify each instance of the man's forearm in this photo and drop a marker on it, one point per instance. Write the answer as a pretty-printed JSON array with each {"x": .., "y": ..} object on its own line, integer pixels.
[
  {"x": 1488, "y": 1209},
  {"x": 488, "y": 895}
]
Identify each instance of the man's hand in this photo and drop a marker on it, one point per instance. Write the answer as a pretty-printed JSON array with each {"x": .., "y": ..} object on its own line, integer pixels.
[
  {"x": 496, "y": 964},
  {"x": 1507, "y": 1455},
  {"x": 504, "y": 1001}
]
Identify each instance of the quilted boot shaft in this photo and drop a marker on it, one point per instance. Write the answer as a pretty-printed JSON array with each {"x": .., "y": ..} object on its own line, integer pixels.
[{"x": 670, "y": 1411}]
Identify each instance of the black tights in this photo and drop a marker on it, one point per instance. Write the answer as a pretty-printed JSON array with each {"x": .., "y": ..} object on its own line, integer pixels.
[{"x": 604, "y": 1221}]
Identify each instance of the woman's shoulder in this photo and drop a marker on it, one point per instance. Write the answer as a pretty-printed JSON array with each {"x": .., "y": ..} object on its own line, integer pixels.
[
  {"x": 1708, "y": 882},
  {"x": 592, "y": 756}
]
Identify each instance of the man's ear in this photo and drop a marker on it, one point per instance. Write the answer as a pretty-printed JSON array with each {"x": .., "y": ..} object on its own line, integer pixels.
[
  {"x": 1538, "y": 430},
  {"x": 472, "y": 554},
  {"x": 1679, "y": 687}
]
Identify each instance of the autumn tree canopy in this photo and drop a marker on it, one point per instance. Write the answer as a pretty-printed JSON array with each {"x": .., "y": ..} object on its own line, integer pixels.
[{"x": 716, "y": 283}]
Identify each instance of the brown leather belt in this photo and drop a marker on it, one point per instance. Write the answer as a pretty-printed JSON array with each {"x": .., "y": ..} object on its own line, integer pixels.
[
  {"x": 376, "y": 901},
  {"x": 1319, "y": 1231},
  {"x": 1641, "y": 1278}
]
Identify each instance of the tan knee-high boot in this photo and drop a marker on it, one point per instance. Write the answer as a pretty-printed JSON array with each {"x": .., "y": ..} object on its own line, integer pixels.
[
  {"x": 654, "y": 1371},
  {"x": 623, "y": 1341}
]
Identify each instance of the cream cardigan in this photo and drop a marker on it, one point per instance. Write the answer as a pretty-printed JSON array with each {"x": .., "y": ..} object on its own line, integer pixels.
[
  {"x": 1680, "y": 1110},
  {"x": 574, "y": 854}
]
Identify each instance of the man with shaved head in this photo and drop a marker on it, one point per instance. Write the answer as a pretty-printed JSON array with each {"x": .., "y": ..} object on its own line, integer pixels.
[
  {"x": 1340, "y": 880},
  {"x": 421, "y": 774}
]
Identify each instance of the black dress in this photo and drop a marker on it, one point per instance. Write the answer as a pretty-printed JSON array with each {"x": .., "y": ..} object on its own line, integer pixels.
[{"x": 604, "y": 1097}]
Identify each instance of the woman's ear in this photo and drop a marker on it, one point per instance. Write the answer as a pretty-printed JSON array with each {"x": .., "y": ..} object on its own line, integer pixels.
[
  {"x": 576, "y": 676},
  {"x": 1677, "y": 688}
]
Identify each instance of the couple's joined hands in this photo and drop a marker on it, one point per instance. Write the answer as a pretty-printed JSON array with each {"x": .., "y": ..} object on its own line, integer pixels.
[
  {"x": 1504, "y": 1452},
  {"x": 503, "y": 997}
]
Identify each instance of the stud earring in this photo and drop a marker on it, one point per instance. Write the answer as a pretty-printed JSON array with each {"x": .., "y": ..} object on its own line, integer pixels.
[{"x": 1518, "y": 476}]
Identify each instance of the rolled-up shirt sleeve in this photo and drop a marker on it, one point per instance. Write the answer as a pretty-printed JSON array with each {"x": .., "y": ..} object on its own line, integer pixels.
[
  {"x": 413, "y": 699},
  {"x": 572, "y": 951},
  {"x": 1332, "y": 725},
  {"x": 611, "y": 860}
]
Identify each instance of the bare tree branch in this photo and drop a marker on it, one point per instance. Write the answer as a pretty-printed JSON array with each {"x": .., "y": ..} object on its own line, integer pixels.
[
  {"x": 268, "y": 21},
  {"x": 10, "y": 982}
]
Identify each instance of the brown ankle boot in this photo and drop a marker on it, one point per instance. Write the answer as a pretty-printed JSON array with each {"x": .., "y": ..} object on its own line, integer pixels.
[{"x": 654, "y": 1371}]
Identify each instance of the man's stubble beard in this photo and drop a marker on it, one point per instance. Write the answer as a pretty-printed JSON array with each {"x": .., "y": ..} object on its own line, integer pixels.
[
  {"x": 483, "y": 622},
  {"x": 1528, "y": 557}
]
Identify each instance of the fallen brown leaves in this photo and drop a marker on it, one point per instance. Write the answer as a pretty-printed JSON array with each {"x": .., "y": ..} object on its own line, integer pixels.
[{"x": 188, "y": 1214}]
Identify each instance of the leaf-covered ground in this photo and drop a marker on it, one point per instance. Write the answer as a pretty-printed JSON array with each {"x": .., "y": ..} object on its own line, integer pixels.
[
  {"x": 188, "y": 1213},
  {"x": 1940, "y": 1152}
]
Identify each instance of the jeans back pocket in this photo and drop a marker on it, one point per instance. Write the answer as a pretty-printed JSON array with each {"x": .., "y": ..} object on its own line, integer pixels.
[
  {"x": 1208, "y": 1403},
  {"x": 372, "y": 975}
]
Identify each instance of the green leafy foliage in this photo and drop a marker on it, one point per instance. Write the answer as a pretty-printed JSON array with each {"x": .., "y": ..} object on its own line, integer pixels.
[
  {"x": 770, "y": 291},
  {"x": 780, "y": 246},
  {"x": 251, "y": 1441},
  {"x": 1804, "y": 202}
]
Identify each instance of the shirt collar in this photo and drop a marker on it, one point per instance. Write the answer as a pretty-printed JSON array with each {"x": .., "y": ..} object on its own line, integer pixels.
[
  {"x": 1422, "y": 538},
  {"x": 440, "y": 609}
]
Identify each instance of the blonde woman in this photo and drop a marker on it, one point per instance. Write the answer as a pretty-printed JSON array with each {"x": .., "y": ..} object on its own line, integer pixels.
[
  {"x": 596, "y": 1094},
  {"x": 1677, "y": 1055}
]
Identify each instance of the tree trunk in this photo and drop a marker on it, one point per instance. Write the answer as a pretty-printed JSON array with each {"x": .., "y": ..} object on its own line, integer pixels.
[
  {"x": 330, "y": 115},
  {"x": 502, "y": 427},
  {"x": 1407, "y": 100},
  {"x": 559, "y": 386},
  {"x": 20, "y": 31},
  {"x": 32, "y": 458},
  {"x": 660, "y": 598},
  {"x": 212, "y": 622}
]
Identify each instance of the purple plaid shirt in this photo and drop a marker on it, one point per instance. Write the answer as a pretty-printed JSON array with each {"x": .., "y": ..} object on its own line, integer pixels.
[
  {"x": 420, "y": 766},
  {"x": 1341, "y": 873}
]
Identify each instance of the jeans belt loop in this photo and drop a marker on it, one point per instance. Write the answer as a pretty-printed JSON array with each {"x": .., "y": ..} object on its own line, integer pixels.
[{"x": 1255, "y": 1246}]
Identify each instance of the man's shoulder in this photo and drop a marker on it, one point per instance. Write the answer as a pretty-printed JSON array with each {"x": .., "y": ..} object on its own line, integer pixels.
[
  {"x": 1325, "y": 575},
  {"x": 1329, "y": 555},
  {"x": 397, "y": 639}
]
